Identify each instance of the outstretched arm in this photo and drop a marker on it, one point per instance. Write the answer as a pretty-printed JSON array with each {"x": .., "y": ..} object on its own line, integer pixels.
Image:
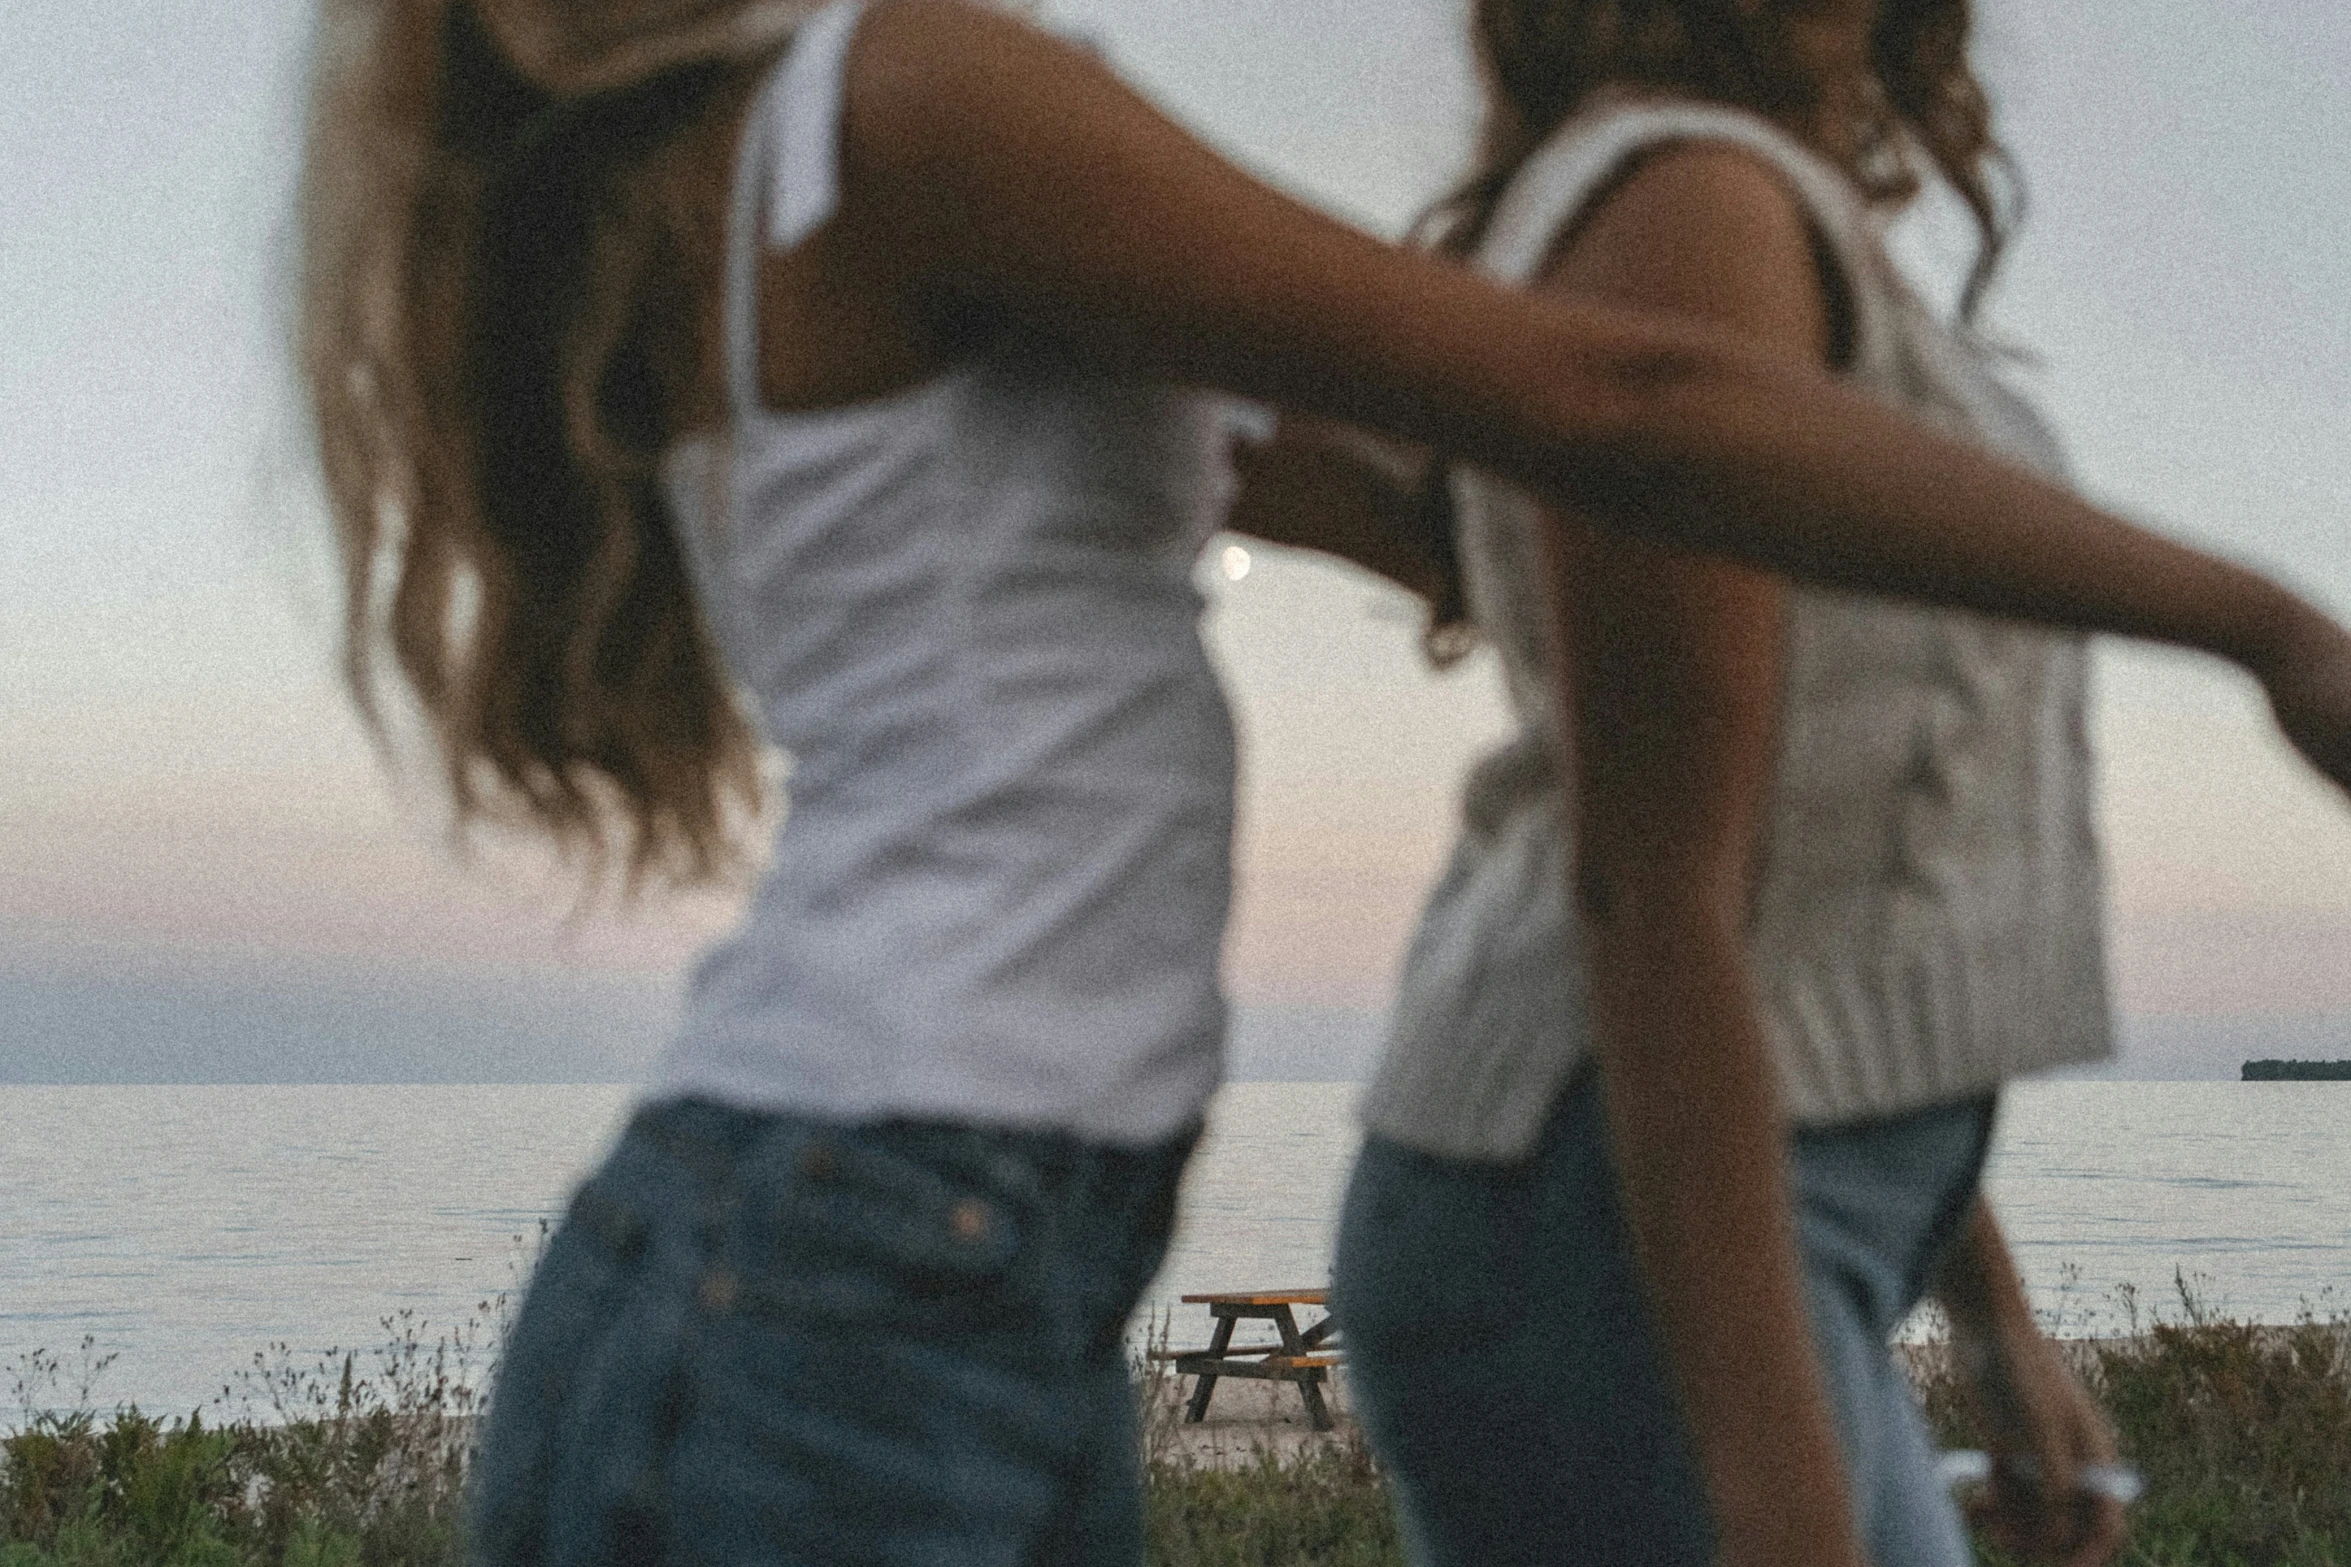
[{"x": 993, "y": 169}]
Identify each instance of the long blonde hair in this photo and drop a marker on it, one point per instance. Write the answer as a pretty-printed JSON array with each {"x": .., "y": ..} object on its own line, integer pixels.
[{"x": 484, "y": 264}]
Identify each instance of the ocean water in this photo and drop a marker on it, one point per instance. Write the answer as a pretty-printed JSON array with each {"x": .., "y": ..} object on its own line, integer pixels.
[{"x": 185, "y": 1229}]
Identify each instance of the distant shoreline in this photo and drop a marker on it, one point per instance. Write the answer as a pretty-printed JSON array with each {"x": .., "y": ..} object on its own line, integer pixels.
[{"x": 2297, "y": 1072}]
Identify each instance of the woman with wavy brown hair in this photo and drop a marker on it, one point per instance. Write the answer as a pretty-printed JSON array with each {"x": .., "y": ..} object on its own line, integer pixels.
[
  {"x": 1695, "y": 1059},
  {"x": 695, "y": 376}
]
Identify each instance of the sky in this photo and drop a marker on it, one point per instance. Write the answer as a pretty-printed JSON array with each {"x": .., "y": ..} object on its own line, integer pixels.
[{"x": 206, "y": 873}]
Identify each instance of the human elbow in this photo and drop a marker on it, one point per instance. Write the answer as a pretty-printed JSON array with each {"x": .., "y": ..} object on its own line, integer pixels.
[
  {"x": 1669, "y": 418},
  {"x": 1645, "y": 378}
]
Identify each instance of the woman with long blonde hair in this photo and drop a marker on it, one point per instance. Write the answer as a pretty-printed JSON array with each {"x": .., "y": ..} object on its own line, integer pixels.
[
  {"x": 1696, "y": 1056},
  {"x": 692, "y": 377}
]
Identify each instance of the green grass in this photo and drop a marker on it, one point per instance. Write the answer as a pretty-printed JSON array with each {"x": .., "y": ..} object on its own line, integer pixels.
[
  {"x": 324, "y": 1466},
  {"x": 2243, "y": 1433},
  {"x": 1326, "y": 1506}
]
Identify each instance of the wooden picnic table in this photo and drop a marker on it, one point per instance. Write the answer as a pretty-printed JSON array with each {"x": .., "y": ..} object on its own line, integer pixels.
[{"x": 1304, "y": 1357}]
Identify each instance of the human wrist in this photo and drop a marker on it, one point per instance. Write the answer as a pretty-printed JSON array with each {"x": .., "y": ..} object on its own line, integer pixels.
[
  {"x": 2272, "y": 632},
  {"x": 1780, "y": 1498},
  {"x": 1773, "y": 1528},
  {"x": 1782, "y": 1540}
]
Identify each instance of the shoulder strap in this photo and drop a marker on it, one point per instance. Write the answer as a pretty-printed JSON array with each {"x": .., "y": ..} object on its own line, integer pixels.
[
  {"x": 1560, "y": 178},
  {"x": 787, "y": 176}
]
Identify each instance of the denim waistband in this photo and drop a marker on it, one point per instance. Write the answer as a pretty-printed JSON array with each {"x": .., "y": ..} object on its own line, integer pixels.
[{"x": 713, "y": 1141}]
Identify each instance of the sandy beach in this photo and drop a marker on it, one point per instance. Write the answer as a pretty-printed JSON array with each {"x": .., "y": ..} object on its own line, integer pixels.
[{"x": 1246, "y": 1420}]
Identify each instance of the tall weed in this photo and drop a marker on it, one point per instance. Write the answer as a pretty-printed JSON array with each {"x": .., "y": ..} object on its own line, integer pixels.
[
  {"x": 2243, "y": 1433},
  {"x": 317, "y": 1465}
]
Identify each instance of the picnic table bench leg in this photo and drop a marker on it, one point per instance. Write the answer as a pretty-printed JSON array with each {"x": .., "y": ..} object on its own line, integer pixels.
[
  {"x": 1318, "y": 1413},
  {"x": 1204, "y": 1384},
  {"x": 1310, "y": 1377}
]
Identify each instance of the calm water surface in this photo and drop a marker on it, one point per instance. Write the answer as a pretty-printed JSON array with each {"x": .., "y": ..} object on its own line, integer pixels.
[{"x": 186, "y": 1228}]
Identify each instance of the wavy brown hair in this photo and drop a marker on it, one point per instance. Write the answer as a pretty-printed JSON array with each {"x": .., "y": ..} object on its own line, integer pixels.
[
  {"x": 490, "y": 274},
  {"x": 1915, "y": 95}
]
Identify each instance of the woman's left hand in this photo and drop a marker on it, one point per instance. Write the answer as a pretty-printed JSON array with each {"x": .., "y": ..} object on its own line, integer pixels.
[
  {"x": 2041, "y": 1425},
  {"x": 2044, "y": 1431}
]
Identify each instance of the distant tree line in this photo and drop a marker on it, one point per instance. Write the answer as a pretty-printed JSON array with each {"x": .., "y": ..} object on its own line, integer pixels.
[{"x": 2298, "y": 1072}]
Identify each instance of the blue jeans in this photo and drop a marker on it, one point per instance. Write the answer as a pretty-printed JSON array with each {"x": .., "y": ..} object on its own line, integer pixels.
[
  {"x": 1503, "y": 1361},
  {"x": 769, "y": 1339}
]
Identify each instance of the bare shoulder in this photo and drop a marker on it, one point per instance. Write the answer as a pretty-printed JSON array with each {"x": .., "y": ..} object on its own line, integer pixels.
[
  {"x": 938, "y": 95},
  {"x": 929, "y": 77},
  {"x": 980, "y": 149},
  {"x": 1002, "y": 178},
  {"x": 1710, "y": 230}
]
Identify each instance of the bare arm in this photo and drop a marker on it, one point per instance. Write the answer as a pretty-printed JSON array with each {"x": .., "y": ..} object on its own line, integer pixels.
[
  {"x": 992, "y": 170},
  {"x": 1320, "y": 485},
  {"x": 1675, "y": 668},
  {"x": 1670, "y": 765},
  {"x": 2032, "y": 1407}
]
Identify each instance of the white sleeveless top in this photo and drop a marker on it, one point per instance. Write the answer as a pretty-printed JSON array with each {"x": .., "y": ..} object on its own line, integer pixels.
[
  {"x": 965, "y": 613},
  {"x": 1927, "y": 912}
]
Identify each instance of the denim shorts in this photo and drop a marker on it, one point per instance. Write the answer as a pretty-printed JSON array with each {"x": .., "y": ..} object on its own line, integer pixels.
[
  {"x": 1503, "y": 1360},
  {"x": 776, "y": 1340}
]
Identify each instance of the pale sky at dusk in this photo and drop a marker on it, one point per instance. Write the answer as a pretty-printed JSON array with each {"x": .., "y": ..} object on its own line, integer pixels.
[{"x": 202, "y": 871}]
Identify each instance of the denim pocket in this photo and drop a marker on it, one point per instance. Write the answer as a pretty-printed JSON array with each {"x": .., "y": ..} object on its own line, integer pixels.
[{"x": 853, "y": 1221}]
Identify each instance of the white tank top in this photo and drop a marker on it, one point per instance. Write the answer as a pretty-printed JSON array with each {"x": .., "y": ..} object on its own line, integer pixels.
[
  {"x": 965, "y": 615},
  {"x": 1927, "y": 913}
]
